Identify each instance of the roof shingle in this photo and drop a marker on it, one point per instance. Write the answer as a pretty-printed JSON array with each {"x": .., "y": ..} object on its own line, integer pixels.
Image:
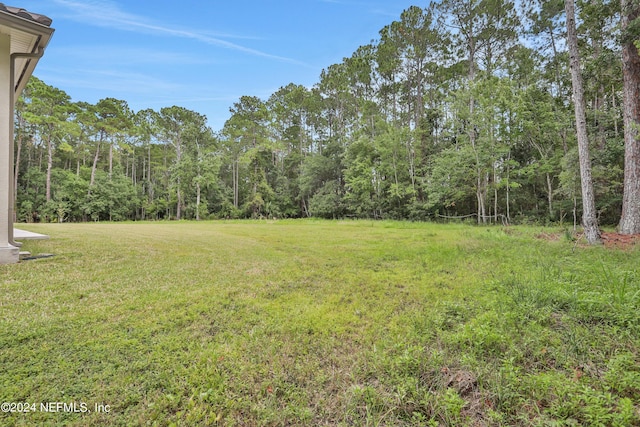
[{"x": 23, "y": 13}]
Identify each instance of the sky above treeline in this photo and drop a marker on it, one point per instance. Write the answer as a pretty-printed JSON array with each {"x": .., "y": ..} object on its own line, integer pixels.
[{"x": 201, "y": 55}]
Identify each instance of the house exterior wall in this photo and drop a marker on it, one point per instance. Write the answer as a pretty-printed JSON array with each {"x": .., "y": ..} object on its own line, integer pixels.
[{"x": 8, "y": 253}]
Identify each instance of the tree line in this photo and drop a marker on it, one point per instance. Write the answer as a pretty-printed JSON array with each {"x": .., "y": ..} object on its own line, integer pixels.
[{"x": 463, "y": 108}]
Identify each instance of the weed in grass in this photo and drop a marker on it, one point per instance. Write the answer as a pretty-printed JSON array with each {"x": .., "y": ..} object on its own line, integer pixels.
[
  {"x": 451, "y": 407},
  {"x": 622, "y": 297},
  {"x": 623, "y": 375},
  {"x": 569, "y": 235}
]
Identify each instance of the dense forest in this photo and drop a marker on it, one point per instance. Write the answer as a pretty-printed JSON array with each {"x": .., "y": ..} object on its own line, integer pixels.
[{"x": 459, "y": 109}]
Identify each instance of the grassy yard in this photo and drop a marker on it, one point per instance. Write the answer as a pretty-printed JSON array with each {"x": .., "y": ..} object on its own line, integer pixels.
[{"x": 316, "y": 323}]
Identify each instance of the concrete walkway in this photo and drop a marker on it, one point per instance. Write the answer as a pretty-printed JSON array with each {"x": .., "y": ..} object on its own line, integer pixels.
[{"x": 27, "y": 235}]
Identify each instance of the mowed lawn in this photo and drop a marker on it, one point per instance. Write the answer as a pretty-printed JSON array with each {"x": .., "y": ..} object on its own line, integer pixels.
[{"x": 318, "y": 323}]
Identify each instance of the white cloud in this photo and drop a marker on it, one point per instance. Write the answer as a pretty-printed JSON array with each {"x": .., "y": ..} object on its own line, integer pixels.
[
  {"x": 129, "y": 55},
  {"x": 105, "y": 13},
  {"x": 110, "y": 81}
]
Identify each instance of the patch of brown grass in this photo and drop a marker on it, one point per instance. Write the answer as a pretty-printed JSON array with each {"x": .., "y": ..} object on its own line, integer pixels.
[{"x": 620, "y": 241}]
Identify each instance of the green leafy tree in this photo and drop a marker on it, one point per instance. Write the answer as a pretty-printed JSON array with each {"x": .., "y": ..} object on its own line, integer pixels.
[
  {"x": 248, "y": 141},
  {"x": 179, "y": 128},
  {"x": 48, "y": 111}
]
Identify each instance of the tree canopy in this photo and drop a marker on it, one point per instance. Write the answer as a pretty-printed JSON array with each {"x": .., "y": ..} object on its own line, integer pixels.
[{"x": 462, "y": 108}]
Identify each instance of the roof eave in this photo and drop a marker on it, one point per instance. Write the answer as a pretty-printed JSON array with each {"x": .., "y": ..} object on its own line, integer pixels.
[
  {"x": 43, "y": 35},
  {"x": 16, "y": 22},
  {"x": 30, "y": 65}
]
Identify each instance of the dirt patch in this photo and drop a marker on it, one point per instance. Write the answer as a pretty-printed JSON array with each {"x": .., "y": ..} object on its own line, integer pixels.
[
  {"x": 477, "y": 403},
  {"x": 621, "y": 241},
  {"x": 551, "y": 237},
  {"x": 464, "y": 382},
  {"x": 610, "y": 240}
]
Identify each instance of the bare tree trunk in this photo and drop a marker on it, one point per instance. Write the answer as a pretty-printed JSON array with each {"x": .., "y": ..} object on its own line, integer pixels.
[
  {"x": 236, "y": 177},
  {"x": 197, "y": 201},
  {"x": 508, "y": 187},
  {"x": 575, "y": 213},
  {"x": 613, "y": 100},
  {"x": 179, "y": 207},
  {"x": 49, "y": 167},
  {"x": 179, "y": 193},
  {"x": 495, "y": 196},
  {"x": 495, "y": 205},
  {"x": 110, "y": 160},
  {"x": 149, "y": 182},
  {"x": 134, "y": 173},
  {"x": 589, "y": 218},
  {"x": 550, "y": 195},
  {"x": 94, "y": 166},
  {"x": 630, "y": 219}
]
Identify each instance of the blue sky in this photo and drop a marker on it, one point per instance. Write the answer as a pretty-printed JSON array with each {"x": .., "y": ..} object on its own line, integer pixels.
[{"x": 200, "y": 54}]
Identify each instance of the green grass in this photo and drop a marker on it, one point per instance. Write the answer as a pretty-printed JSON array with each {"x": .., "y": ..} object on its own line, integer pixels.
[{"x": 314, "y": 323}]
